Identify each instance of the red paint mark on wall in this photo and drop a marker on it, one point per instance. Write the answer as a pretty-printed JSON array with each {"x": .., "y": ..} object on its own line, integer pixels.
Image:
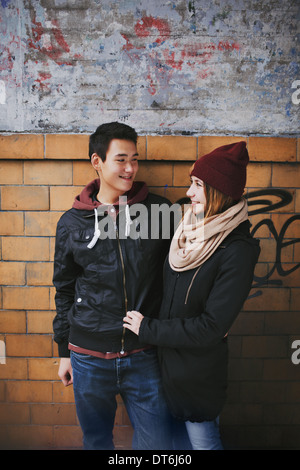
[
  {"x": 54, "y": 47},
  {"x": 172, "y": 61},
  {"x": 128, "y": 46},
  {"x": 59, "y": 36},
  {"x": 144, "y": 26},
  {"x": 166, "y": 57},
  {"x": 8, "y": 58},
  {"x": 42, "y": 81},
  {"x": 228, "y": 46}
]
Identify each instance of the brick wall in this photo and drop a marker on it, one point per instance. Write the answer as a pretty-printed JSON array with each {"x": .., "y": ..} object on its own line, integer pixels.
[{"x": 39, "y": 177}]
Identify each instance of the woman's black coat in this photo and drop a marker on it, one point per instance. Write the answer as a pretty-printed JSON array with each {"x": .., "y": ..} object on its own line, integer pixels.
[{"x": 199, "y": 307}]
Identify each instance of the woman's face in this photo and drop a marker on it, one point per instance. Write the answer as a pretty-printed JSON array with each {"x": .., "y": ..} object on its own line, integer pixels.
[{"x": 196, "y": 194}]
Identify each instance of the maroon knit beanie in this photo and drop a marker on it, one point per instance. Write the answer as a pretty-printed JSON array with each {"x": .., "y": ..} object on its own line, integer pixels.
[{"x": 224, "y": 169}]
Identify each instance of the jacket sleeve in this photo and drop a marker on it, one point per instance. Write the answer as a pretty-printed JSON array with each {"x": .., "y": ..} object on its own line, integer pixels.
[
  {"x": 227, "y": 296},
  {"x": 64, "y": 279}
]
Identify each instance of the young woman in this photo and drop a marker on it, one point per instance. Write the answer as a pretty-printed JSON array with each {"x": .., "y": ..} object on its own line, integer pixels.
[{"x": 207, "y": 278}]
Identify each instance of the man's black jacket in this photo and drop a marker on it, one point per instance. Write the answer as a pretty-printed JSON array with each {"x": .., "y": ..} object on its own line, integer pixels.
[{"x": 98, "y": 278}]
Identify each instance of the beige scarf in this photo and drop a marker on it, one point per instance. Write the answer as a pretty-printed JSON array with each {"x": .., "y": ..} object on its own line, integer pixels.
[{"x": 196, "y": 240}]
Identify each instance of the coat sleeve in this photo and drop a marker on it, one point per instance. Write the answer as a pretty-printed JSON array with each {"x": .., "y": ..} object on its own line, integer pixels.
[
  {"x": 64, "y": 279},
  {"x": 226, "y": 298}
]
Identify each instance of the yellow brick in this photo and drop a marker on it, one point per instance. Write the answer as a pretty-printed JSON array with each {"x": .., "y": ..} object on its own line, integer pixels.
[
  {"x": 297, "y": 201},
  {"x": 173, "y": 194},
  {"x": 41, "y": 223},
  {"x": 292, "y": 229},
  {"x": 52, "y": 248},
  {"x": 83, "y": 173},
  {"x": 39, "y": 321},
  {"x": 25, "y": 249},
  {"x": 28, "y": 345},
  {"x": 254, "y": 198},
  {"x": 14, "y": 413},
  {"x": 292, "y": 279},
  {"x": 42, "y": 368},
  {"x": 48, "y": 172},
  {"x": 54, "y": 414},
  {"x": 263, "y": 231},
  {"x": 2, "y": 391},
  {"x": 12, "y": 273},
  {"x": 67, "y": 146},
  {"x": 268, "y": 251},
  {"x": 182, "y": 174},
  {"x": 39, "y": 274},
  {"x": 62, "y": 394},
  {"x": 141, "y": 147},
  {"x": 14, "y": 369},
  {"x": 155, "y": 174},
  {"x": 259, "y": 175},
  {"x": 11, "y": 172},
  {"x": 20, "y": 391},
  {"x": 55, "y": 350},
  {"x": 11, "y": 223},
  {"x": 295, "y": 299},
  {"x": 286, "y": 176},
  {"x": 271, "y": 299},
  {"x": 12, "y": 321},
  {"x": 27, "y": 437},
  {"x": 24, "y": 198},
  {"x": 67, "y": 437},
  {"x": 52, "y": 298},
  {"x": 297, "y": 253},
  {"x": 22, "y": 146},
  {"x": 25, "y": 298},
  {"x": 275, "y": 149},
  {"x": 171, "y": 148},
  {"x": 207, "y": 144},
  {"x": 62, "y": 197}
]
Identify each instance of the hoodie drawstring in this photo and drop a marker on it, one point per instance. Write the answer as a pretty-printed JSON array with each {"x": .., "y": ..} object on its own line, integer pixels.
[
  {"x": 128, "y": 221},
  {"x": 97, "y": 232}
]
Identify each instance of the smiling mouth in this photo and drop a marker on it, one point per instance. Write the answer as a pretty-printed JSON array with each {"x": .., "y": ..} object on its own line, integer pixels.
[{"x": 128, "y": 178}]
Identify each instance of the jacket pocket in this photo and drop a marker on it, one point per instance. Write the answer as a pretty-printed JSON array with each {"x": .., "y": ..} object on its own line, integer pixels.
[
  {"x": 82, "y": 236},
  {"x": 85, "y": 314}
]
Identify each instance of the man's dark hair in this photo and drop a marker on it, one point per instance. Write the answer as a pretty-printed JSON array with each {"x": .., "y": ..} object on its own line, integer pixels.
[{"x": 105, "y": 133}]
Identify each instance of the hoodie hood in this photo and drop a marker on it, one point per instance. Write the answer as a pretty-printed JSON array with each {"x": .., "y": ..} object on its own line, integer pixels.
[{"x": 86, "y": 200}]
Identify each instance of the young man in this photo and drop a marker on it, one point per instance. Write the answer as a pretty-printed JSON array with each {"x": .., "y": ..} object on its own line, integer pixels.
[{"x": 102, "y": 269}]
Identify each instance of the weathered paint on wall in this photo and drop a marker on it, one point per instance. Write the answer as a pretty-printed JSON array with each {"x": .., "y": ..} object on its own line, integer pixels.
[{"x": 162, "y": 66}]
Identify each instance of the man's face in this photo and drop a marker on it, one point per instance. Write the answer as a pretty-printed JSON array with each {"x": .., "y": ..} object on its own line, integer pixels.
[{"x": 118, "y": 171}]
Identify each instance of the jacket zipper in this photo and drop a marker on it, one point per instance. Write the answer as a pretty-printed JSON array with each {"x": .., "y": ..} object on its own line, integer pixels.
[
  {"x": 190, "y": 286},
  {"x": 124, "y": 289}
]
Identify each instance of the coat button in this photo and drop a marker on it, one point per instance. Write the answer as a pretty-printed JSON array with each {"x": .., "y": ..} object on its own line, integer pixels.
[{"x": 79, "y": 299}]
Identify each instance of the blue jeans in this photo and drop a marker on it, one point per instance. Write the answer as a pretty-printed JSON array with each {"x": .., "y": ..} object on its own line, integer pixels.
[
  {"x": 136, "y": 378},
  {"x": 204, "y": 435}
]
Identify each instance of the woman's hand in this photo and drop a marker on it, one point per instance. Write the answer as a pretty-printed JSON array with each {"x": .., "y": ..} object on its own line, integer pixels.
[{"x": 133, "y": 321}]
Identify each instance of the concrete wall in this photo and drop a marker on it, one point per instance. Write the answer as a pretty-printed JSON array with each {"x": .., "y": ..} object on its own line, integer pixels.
[
  {"x": 161, "y": 66},
  {"x": 190, "y": 76}
]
